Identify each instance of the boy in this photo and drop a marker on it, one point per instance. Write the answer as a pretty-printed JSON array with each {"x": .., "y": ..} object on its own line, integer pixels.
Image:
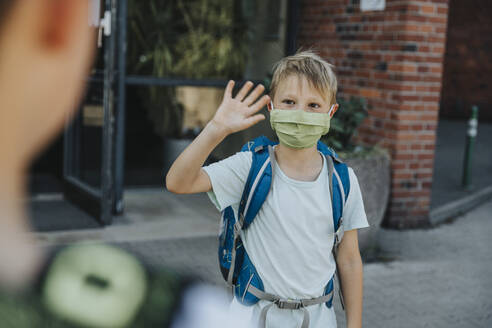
[{"x": 291, "y": 239}]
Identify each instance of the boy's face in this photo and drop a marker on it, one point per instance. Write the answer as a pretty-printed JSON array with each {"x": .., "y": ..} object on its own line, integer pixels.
[{"x": 295, "y": 92}]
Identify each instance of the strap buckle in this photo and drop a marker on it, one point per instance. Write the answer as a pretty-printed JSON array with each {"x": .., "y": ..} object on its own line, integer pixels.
[
  {"x": 238, "y": 225},
  {"x": 237, "y": 228},
  {"x": 339, "y": 232},
  {"x": 288, "y": 304}
]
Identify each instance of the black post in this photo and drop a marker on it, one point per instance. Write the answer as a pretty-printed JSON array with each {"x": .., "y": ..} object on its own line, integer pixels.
[
  {"x": 293, "y": 13},
  {"x": 107, "y": 194},
  {"x": 471, "y": 135},
  {"x": 119, "y": 157}
]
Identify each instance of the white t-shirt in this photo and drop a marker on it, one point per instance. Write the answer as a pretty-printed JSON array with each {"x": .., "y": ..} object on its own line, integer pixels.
[{"x": 290, "y": 241}]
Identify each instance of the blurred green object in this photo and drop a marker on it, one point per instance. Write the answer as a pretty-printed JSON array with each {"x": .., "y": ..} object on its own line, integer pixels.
[
  {"x": 345, "y": 122},
  {"x": 71, "y": 290},
  {"x": 95, "y": 285}
]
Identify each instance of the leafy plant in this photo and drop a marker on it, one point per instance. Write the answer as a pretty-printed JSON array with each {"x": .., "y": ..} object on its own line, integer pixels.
[
  {"x": 345, "y": 122},
  {"x": 215, "y": 44},
  {"x": 152, "y": 33},
  {"x": 186, "y": 39}
]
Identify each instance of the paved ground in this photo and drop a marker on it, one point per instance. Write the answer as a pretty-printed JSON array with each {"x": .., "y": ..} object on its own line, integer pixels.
[
  {"x": 441, "y": 277},
  {"x": 448, "y": 163},
  {"x": 433, "y": 278},
  {"x": 49, "y": 212},
  {"x": 150, "y": 214}
]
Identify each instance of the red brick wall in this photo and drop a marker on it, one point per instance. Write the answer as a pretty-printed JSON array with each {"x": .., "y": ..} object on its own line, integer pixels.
[
  {"x": 394, "y": 59},
  {"x": 467, "y": 77}
]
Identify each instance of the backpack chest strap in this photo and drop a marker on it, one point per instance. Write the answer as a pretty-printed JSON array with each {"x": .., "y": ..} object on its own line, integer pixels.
[{"x": 289, "y": 304}]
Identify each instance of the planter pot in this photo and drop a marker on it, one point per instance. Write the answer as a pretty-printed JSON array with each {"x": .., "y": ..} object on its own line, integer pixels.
[{"x": 373, "y": 174}]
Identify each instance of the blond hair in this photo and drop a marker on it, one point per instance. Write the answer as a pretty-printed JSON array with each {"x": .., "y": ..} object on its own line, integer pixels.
[{"x": 318, "y": 72}]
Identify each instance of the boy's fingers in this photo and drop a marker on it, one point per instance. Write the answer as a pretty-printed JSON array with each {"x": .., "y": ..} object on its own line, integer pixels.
[
  {"x": 244, "y": 91},
  {"x": 228, "y": 89},
  {"x": 252, "y": 120},
  {"x": 254, "y": 94},
  {"x": 260, "y": 104}
]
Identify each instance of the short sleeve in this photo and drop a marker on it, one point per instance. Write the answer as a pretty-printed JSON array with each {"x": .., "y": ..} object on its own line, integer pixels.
[
  {"x": 354, "y": 213},
  {"x": 228, "y": 178}
]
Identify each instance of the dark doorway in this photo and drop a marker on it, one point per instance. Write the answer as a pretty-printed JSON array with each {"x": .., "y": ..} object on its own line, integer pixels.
[{"x": 46, "y": 172}]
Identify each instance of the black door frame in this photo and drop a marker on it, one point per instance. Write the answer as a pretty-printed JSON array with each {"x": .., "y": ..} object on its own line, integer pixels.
[
  {"x": 97, "y": 202},
  {"x": 107, "y": 201}
]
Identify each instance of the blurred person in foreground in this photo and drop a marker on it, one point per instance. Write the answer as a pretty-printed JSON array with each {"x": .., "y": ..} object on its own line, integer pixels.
[{"x": 46, "y": 49}]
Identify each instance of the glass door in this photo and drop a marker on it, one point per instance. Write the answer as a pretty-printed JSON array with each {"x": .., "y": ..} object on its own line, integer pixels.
[{"x": 88, "y": 139}]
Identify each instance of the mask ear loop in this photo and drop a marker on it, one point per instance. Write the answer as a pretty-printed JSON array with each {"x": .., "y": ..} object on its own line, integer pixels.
[
  {"x": 270, "y": 106},
  {"x": 330, "y": 112}
]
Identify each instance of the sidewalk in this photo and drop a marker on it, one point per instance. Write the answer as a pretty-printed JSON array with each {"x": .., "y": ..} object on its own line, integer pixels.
[
  {"x": 441, "y": 277},
  {"x": 150, "y": 214}
]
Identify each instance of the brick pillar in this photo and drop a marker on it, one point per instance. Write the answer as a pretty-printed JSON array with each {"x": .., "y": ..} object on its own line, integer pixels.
[{"x": 394, "y": 59}]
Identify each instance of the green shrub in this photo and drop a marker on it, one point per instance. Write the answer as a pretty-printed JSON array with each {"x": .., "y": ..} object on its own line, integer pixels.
[{"x": 345, "y": 122}]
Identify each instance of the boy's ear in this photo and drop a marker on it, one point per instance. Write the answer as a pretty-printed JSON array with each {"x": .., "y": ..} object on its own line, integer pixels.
[
  {"x": 270, "y": 106},
  {"x": 61, "y": 22}
]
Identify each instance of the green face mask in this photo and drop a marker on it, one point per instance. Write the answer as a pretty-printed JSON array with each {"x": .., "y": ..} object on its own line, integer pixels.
[{"x": 298, "y": 128}]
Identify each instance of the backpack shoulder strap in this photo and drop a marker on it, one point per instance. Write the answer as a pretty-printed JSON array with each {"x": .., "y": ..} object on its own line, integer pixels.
[
  {"x": 339, "y": 186},
  {"x": 259, "y": 180},
  {"x": 257, "y": 144},
  {"x": 339, "y": 190}
]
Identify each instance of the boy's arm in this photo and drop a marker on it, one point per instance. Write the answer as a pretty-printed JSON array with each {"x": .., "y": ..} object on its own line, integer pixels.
[
  {"x": 349, "y": 265},
  {"x": 186, "y": 175}
]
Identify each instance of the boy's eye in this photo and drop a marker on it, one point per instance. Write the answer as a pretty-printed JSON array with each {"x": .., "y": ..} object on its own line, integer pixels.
[
  {"x": 288, "y": 102},
  {"x": 314, "y": 105}
]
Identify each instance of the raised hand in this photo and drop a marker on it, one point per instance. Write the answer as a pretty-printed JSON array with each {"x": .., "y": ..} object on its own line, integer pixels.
[{"x": 239, "y": 113}]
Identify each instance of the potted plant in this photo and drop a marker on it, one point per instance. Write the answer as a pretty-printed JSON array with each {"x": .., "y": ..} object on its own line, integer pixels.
[
  {"x": 196, "y": 39},
  {"x": 213, "y": 46},
  {"x": 153, "y": 30}
]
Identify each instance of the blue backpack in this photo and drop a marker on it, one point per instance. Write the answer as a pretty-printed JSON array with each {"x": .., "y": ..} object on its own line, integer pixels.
[{"x": 235, "y": 264}]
